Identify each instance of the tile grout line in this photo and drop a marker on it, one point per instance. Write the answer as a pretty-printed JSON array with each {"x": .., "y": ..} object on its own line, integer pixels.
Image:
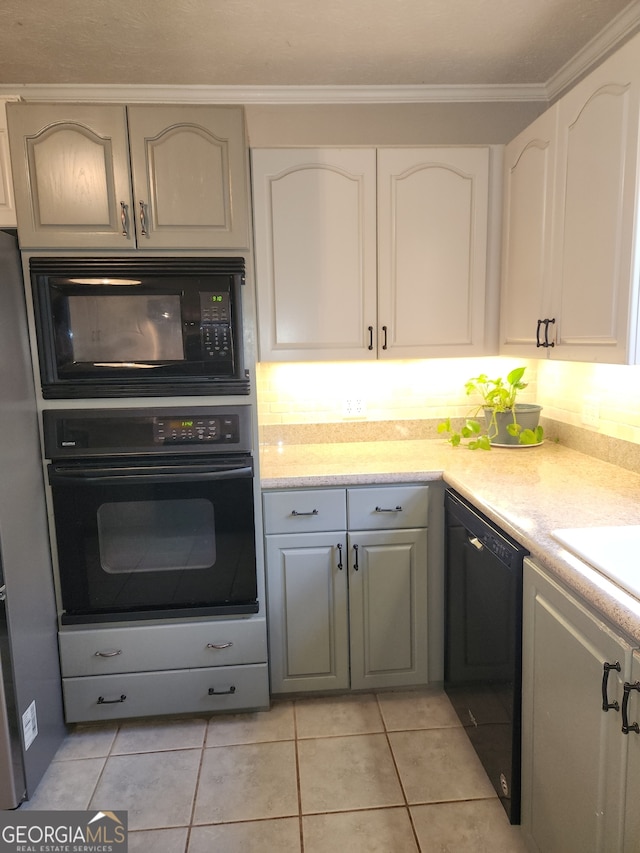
[
  {"x": 395, "y": 764},
  {"x": 299, "y": 787}
]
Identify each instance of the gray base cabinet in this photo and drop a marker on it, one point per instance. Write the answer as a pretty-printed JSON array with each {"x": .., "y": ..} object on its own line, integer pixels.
[
  {"x": 347, "y": 588},
  {"x": 203, "y": 666},
  {"x": 574, "y": 755}
]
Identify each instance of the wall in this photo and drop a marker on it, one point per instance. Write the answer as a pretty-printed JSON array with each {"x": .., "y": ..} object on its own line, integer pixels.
[
  {"x": 479, "y": 123},
  {"x": 410, "y": 396},
  {"x": 598, "y": 398}
]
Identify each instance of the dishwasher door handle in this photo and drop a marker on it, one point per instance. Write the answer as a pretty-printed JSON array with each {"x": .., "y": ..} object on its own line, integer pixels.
[{"x": 477, "y": 544}]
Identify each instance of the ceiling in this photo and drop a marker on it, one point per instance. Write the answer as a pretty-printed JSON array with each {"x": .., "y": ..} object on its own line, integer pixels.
[{"x": 298, "y": 42}]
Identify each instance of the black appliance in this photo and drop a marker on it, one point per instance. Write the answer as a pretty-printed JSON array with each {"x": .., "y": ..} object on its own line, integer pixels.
[
  {"x": 153, "y": 512},
  {"x": 129, "y": 327},
  {"x": 483, "y": 642}
]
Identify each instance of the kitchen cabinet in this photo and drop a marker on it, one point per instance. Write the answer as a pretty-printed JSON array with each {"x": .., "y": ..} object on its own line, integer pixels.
[
  {"x": 570, "y": 288},
  {"x": 144, "y": 670},
  {"x": 7, "y": 203},
  {"x": 365, "y": 253},
  {"x": 574, "y": 754},
  {"x": 118, "y": 177},
  {"x": 632, "y": 788},
  {"x": 529, "y": 173},
  {"x": 347, "y": 588}
]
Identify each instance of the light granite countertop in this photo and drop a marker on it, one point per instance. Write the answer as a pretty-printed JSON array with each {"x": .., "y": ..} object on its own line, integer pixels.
[{"x": 529, "y": 492}]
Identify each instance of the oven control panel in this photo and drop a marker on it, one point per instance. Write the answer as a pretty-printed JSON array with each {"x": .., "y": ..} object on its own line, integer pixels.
[
  {"x": 100, "y": 433},
  {"x": 184, "y": 430}
]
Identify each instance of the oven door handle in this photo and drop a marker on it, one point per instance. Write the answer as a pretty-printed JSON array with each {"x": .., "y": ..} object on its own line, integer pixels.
[{"x": 161, "y": 474}]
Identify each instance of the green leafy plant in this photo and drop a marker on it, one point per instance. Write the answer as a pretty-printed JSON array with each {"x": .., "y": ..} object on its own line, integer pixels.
[{"x": 497, "y": 395}]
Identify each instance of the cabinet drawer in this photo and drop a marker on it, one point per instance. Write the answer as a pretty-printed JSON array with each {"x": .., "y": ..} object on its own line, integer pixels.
[
  {"x": 385, "y": 507},
  {"x": 101, "y": 651},
  {"x": 141, "y": 694},
  {"x": 305, "y": 511}
]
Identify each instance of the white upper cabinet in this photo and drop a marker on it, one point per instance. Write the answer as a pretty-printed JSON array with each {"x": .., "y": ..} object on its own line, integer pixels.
[
  {"x": 7, "y": 204},
  {"x": 365, "y": 253},
  {"x": 432, "y": 251},
  {"x": 529, "y": 172},
  {"x": 315, "y": 240},
  {"x": 570, "y": 283},
  {"x": 121, "y": 177}
]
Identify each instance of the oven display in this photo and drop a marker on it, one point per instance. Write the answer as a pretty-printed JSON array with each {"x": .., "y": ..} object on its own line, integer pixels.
[{"x": 194, "y": 430}]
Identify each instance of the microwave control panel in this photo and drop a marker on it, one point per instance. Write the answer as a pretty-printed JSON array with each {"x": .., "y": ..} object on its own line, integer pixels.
[{"x": 215, "y": 325}]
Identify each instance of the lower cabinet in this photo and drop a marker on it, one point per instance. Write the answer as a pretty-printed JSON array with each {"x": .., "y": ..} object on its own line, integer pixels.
[
  {"x": 632, "y": 788},
  {"x": 154, "y": 669},
  {"x": 580, "y": 772},
  {"x": 347, "y": 588}
]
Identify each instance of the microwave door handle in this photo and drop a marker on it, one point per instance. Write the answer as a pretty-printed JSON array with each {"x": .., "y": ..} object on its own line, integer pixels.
[{"x": 107, "y": 476}]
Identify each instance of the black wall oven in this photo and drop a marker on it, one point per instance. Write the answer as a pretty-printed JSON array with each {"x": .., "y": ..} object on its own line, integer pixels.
[
  {"x": 153, "y": 512},
  {"x": 131, "y": 327}
]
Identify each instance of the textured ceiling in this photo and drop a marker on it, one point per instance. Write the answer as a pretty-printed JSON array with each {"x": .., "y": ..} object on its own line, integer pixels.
[{"x": 295, "y": 42}]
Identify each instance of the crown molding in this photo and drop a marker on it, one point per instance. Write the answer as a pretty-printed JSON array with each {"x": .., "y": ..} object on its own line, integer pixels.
[
  {"x": 622, "y": 27},
  {"x": 274, "y": 94}
]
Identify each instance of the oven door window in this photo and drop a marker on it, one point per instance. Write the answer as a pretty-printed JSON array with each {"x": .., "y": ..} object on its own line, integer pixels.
[
  {"x": 136, "y": 550},
  {"x": 156, "y": 536}
]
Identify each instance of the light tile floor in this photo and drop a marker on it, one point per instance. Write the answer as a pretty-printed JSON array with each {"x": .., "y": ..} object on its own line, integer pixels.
[{"x": 371, "y": 773}]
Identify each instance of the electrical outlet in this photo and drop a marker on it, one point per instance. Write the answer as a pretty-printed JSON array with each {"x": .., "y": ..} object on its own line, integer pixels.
[
  {"x": 591, "y": 411},
  {"x": 354, "y": 407}
]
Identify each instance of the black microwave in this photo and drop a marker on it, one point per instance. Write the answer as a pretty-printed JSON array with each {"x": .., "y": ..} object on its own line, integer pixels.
[{"x": 128, "y": 327}]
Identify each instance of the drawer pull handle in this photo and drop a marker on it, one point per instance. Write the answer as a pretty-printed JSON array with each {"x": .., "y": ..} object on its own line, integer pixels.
[
  {"x": 103, "y": 701},
  {"x": 219, "y": 645},
  {"x": 299, "y": 514},
  {"x": 606, "y": 705},
  {"x": 356, "y": 565},
  {"x": 214, "y": 692},
  {"x": 339, "y": 547},
  {"x": 626, "y": 725},
  {"x": 390, "y": 509},
  {"x": 112, "y": 654}
]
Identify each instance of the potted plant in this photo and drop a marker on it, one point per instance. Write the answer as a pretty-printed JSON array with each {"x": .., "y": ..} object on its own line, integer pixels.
[{"x": 506, "y": 422}]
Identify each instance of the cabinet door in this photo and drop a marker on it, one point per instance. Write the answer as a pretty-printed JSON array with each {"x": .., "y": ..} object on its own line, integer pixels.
[
  {"x": 7, "y": 204},
  {"x": 593, "y": 278},
  {"x": 71, "y": 175},
  {"x": 529, "y": 165},
  {"x": 572, "y": 750},
  {"x": 307, "y": 605},
  {"x": 189, "y": 176},
  {"x": 388, "y": 608},
  {"x": 432, "y": 251},
  {"x": 315, "y": 239},
  {"x": 632, "y": 790}
]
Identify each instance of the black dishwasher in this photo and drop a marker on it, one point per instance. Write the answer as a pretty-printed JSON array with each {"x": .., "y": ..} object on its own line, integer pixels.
[{"x": 483, "y": 641}]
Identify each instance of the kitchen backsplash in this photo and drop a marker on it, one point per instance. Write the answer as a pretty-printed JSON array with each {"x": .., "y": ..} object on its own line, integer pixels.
[{"x": 593, "y": 408}]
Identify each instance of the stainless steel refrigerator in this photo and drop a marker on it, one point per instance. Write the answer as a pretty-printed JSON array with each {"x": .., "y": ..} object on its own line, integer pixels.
[{"x": 31, "y": 715}]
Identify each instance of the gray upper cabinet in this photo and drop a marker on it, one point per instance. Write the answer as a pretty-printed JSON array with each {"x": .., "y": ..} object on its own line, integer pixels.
[{"x": 117, "y": 177}]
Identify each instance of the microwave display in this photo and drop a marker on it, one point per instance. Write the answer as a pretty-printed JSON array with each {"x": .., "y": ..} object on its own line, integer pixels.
[{"x": 140, "y": 327}]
